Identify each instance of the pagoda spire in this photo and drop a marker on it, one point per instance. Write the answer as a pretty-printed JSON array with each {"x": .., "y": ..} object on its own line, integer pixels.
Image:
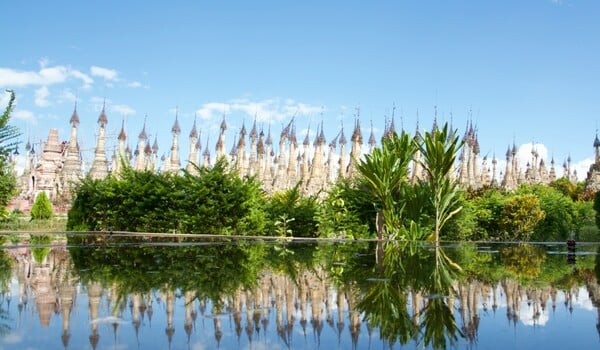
[{"x": 99, "y": 168}]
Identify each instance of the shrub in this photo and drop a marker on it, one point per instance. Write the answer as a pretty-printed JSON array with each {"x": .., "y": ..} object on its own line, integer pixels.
[{"x": 42, "y": 208}]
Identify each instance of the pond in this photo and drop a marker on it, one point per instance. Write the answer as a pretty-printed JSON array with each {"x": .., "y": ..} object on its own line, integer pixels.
[{"x": 98, "y": 292}]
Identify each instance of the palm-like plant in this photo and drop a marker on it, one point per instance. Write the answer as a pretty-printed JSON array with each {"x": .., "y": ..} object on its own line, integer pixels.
[
  {"x": 439, "y": 149},
  {"x": 383, "y": 173},
  {"x": 8, "y": 133}
]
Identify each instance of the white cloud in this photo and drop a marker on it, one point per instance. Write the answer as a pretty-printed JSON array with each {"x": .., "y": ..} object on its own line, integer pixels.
[
  {"x": 212, "y": 110},
  {"x": 524, "y": 154},
  {"x": 268, "y": 110},
  {"x": 41, "y": 96},
  {"x": 582, "y": 167},
  {"x": 106, "y": 73},
  {"x": 135, "y": 84},
  {"x": 4, "y": 98},
  {"x": 124, "y": 110},
  {"x": 67, "y": 95},
  {"x": 24, "y": 115},
  {"x": 45, "y": 76}
]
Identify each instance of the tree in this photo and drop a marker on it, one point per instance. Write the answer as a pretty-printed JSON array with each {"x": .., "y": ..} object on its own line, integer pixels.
[
  {"x": 8, "y": 143},
  {"x": 520, "y": 215},
  {"x": 42, "y": 208},
  {"x": 597, "y": 208}
]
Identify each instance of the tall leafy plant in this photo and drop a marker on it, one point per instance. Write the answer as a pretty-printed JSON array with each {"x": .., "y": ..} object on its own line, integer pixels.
[
  {"x": 383, "y": 172},
  {"x": 439, "y": 149},
  {"x": 8, "y": 143}
]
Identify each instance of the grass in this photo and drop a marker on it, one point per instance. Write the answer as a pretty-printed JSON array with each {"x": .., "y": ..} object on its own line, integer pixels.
[{"x": 24, "y": 223}]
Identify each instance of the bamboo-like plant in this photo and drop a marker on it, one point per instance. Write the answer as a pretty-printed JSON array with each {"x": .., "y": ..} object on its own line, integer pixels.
[{"x": 439, "y": 149}]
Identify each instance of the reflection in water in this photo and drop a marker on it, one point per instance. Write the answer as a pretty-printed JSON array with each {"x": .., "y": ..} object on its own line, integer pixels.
[{"x": 315, "y": 295}]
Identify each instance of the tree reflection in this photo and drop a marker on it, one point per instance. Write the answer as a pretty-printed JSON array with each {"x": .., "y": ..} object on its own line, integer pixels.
[
  {"x": 412, "y": 270},
  {"x": 211, "y": 270},
  {"x": 5, "y": 274}
]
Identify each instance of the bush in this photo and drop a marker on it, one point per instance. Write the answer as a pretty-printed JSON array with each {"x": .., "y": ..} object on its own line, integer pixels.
[{"x": 42, "y": 208}]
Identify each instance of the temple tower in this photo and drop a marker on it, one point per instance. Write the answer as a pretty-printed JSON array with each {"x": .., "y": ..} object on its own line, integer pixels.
[
  {"x": 241, "y": 161},
  {"x": 342, "y": 160},
  {"x": 355, "y": 151},
  {"x": 220, "y": 148},
  {"x": 193, "y": 160},
  {"x": 99, "y": 168},
  {"x": 253, "y": 150},
  {"x": 140, "y": 160},
  {"x": 71, "y": 171},
  {"x": 174, "y": 162},
  {"x": 592, "y": 182}
]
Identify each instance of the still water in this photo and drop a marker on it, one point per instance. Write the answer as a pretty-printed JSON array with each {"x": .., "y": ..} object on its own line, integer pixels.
[{"x": 141, "y": 293}]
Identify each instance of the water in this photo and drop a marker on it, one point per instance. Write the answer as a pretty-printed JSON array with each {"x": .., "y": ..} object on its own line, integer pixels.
[{"x": 140, "y": 293}]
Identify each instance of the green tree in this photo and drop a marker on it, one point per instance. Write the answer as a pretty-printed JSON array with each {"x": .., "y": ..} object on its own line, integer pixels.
[
  {"x": 42, "y": 208},
  {"x": 597, "y": 208},
  {"x": 487, "y": 208},
  {"x": 215, "y": 201},
  {"x": 8, "y": 144},
  {"x": 520, "y": 215},
  {"x": 560, "y": 214}
]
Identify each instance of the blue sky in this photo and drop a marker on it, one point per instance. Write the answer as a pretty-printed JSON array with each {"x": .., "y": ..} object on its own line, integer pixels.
[{"x": 523, "y": 71}]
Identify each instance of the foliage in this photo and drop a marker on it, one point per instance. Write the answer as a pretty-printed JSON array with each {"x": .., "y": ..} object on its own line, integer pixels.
[
  {"x": 408, "y": 268},
  {"x": 566, "y": 187},
  {"x": 560, "y": 215},
  {"x": 8, "y": 144},
  {"x": 42, "y": 208},
  {"x": 343, "y": 213},
  {"x": 487, "y": 209},
  {"x": 524, "y": 262},
  {"x": 40, "y": 247},
  {"x": 212, "y": 270},
  {"x": 383, "y": 172},
  {"x": 439, "y": 151},
  {"x": 298, "y": 210},
  {"x": 8, "y": 133},
  {"x": 597, "y": 208},
  {"x": 215, "y": 201},
  {"x": 520, "y": 215}
]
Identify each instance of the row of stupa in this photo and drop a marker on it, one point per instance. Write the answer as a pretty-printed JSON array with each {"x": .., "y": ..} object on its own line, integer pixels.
[{"x": 317, "y": 165}]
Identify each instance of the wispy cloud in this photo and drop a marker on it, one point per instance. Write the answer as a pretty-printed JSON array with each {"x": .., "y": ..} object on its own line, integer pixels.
[
  {"x": 24, "y": 115},
  {"x": 106, "y": 73},
  {"x": 268, "y": 110},
  {"x": 135, "y": 84},
  {"x": 41, "y": 97},
  {"x": 67, "y": 95},
  {"x": 123, "y": 110},
  {"x": 44, "y": 77}
]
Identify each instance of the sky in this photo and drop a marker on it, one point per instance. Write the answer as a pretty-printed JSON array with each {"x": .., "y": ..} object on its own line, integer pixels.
[{"x": 523, "y": 72}]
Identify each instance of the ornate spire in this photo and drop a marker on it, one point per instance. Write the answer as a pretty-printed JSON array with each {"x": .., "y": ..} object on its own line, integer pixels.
[
  {"x": 143, "y": 135},
  {"x": 343, "y": 140},
  {"x": 194, "y": 132},
  {"x": 122, "y": 134},
  {"x": 75, "y": 117},
  {"x": 372, "y": 140},
  {"x": 155, "y": 145},
  {"x": 176, "y": 129},
  {"x": 102, "y": 120}
]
